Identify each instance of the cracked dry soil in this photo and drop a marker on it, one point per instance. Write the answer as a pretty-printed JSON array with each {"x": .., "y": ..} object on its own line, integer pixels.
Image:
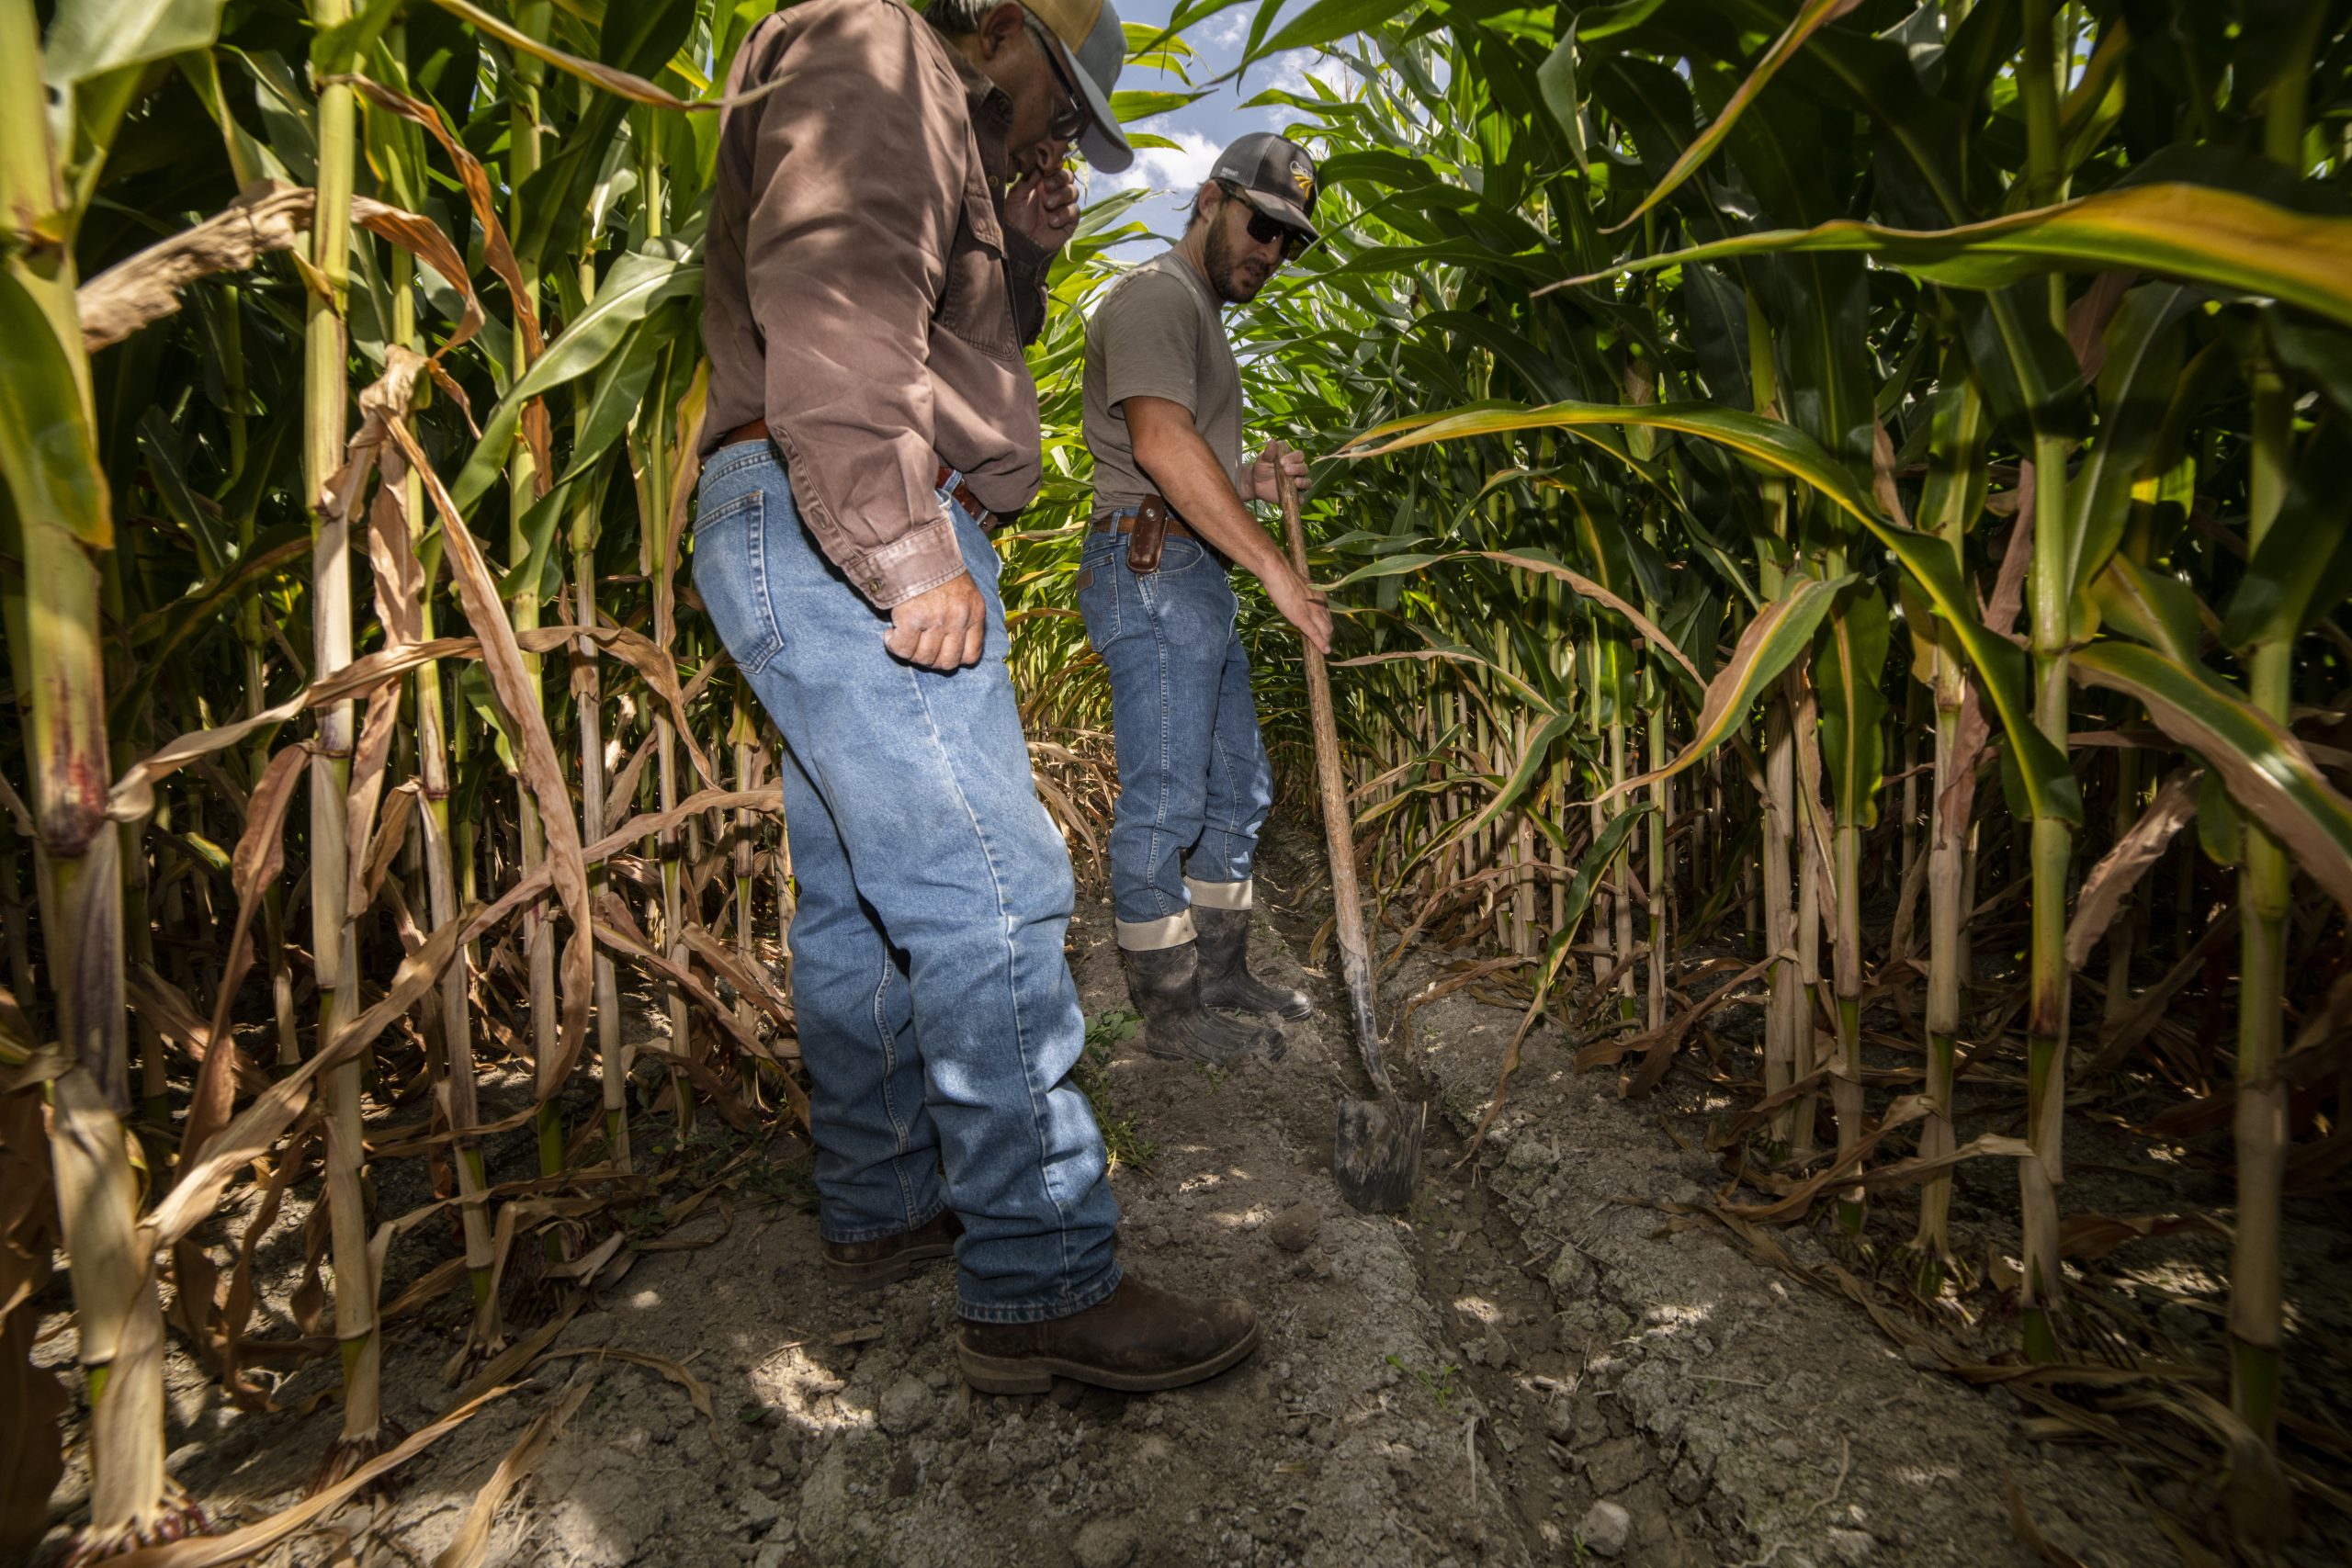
[{"x": 1521, "y": 1371}]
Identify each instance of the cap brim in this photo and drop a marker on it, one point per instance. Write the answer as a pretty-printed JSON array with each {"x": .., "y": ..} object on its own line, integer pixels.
[
  {"x": 1103, "y": 143},
  {"x": 1290, "y": 214},
  {"x": 1104, "y": 147}
]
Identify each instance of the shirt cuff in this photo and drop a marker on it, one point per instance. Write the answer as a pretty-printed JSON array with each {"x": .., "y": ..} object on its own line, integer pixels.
[{"x": 916, "y": 562}]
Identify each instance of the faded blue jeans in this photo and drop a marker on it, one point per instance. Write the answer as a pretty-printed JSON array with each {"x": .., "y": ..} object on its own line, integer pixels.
[
  {"x": 1194, "y": 783},
  {"x": 938, "y": 1020}
]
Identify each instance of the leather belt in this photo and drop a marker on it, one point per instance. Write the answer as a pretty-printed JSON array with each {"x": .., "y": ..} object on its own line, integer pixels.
[
  {"x": 1125, "y": 523},
  {"x": 757, "y": 430},
  {"x": 1147, "y": 525}
]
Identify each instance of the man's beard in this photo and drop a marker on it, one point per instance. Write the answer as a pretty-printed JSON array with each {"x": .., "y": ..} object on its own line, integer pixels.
[{"x": 1222, "y": 269}]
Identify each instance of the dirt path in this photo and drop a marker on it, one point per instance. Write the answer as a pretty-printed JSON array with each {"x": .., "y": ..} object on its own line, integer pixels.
[{"x": 1520, "y": 1371}]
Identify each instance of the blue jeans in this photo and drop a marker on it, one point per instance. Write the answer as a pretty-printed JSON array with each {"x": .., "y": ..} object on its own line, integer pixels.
[
  {"x": 938, "y": 1020},
  {"x": 1194, "y": 783}
]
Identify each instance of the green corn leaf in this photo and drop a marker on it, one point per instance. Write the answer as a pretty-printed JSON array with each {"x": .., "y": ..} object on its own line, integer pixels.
[
  {"x": 2158, "y": 610},
  {"x": 1810, "y": 18},
  {"x": 2302, "y": 573},
  {"x": 90, "y": 38},
  {"x": 2264, "y": 768},
  {"x": 1532, "y": 561},
  {"x": 1770, "y": 444},
  {"x": 2199, "y": 233},
  {"x": 1607, "y": 21},
  {"x": 47, "y": 452},
  {"x": 2317, "y": 355},
  {"x": 2144, "y": 361},
  {"x": 2219, "y": 832},
  {"x": 1777, "y": 638},
  {"x": 1557, "y": 80},
  {"x": 1576, "y": 899},
  {"x": 1593, "y": 864},
  {"x": 1132, "y": 106},
  {"x": 1960, "y": 460},
  {"x": 1319, "y": 24},
  {"x": 637, "y": 282},
  {"x": 1850, "y": 661},
  {"x": 1522, "y": 774},
  {"x": 1455, "y": 653},
  {"x": 159, "y": 443}
]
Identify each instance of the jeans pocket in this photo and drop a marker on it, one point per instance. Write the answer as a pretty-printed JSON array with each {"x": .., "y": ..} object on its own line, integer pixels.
[
  {"x": 1098, "y": 591},
  {"x": 1181, "y": 555},
  {"x": 731, "y": 575}
]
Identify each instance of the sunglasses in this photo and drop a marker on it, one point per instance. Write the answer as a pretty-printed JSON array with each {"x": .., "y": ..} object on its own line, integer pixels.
[
  {"x": 1265, "y": 230},
  {"x": 1071, "y": 118}
]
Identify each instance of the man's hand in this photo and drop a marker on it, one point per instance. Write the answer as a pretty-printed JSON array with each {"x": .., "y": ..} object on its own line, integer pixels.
[
  {"x": 1302, "y": 606},
  {"x": 941, "y": 628},
  {"x": 1278, "y": 458},
  {"x": 1042, "y": 205}
]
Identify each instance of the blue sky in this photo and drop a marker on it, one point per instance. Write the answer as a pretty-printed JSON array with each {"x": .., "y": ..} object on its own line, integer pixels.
[{"x": 1203, "y": 130}]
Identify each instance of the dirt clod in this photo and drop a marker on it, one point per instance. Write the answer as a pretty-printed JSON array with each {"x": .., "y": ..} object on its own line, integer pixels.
[
  {"x": 1293, "y": 1229},
  {"x": 1106, "y": 1544},
  {"x": 904, "y": 1405},
  {"x": 1605, "y": 1529}
]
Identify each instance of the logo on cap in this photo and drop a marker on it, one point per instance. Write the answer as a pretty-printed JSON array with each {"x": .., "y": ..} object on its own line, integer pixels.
[{"x": 1303, "y": 178}]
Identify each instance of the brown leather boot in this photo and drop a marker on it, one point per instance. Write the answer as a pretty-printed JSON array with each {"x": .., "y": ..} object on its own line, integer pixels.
[
  {"x": 888, "y": 1258},
  {"x": 1139, "y": 1339}
]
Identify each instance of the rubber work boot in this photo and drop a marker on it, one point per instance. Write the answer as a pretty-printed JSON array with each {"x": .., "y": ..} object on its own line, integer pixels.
[
  {"x": 888, "y": 1258},
  {"x": 1165, "y": 984},
  {"x": 1223, "y": 937},
  {"x": 1139, "y": 1339}
]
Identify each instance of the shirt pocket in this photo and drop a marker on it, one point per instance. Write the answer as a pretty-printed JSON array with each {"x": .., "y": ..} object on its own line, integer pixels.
[{"x": 976, "y": 302}]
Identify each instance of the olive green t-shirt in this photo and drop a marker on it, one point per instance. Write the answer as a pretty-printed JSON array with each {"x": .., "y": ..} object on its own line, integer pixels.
[{"x": 1156, "y": 334}]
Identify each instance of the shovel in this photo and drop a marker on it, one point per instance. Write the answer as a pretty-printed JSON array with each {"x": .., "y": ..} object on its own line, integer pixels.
[{"x": 1377, "y": 1156}]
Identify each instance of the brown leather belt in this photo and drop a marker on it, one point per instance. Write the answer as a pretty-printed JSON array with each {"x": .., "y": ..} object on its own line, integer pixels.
[
  {"x": 1125, "y": 523},
  {"x": 1147, "y": 524},
  {"x": 757, "y": 430}
]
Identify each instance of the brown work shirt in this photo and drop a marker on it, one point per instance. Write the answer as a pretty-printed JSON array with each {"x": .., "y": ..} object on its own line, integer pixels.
[{"x": 862, "y": 293}]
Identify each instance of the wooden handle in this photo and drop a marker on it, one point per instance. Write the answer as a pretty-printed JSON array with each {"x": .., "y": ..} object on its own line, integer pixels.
[{"x": 1347, "y": 903}]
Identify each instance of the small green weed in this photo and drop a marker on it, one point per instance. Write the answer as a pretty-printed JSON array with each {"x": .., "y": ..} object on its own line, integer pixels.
[
  {"x": 1125, "y": 1145},
  {"x": 1439, "y": 1384}
]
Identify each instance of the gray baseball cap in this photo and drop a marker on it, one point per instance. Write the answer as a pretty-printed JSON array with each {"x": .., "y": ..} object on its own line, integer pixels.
[
  {"x": 1276, "y": 175},
  {"x": 1094, "y": 41}
]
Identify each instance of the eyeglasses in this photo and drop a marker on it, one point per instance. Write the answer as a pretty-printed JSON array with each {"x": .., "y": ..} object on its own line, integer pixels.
[
  {"x": 1071, "y": 118},
  {"x": 1265, "y": 230}
]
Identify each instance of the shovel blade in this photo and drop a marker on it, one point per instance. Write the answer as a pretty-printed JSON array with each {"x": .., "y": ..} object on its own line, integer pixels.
[{"x": 1377, "y": 1156}]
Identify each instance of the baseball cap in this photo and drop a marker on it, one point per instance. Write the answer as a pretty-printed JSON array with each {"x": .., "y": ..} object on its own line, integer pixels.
[
  {"x": 1276, "y": 175},
  {"x": 1090, "y": 33}
]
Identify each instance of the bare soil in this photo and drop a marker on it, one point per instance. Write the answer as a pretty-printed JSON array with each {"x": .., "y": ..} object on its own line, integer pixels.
[{"x": 1522, "y": 1370}]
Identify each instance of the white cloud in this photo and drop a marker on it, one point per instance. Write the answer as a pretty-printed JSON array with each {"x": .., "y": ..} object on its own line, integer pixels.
[
  {"x": 1226, "y": 28},
  {"x": 1179, "y": 168},
  {"x": 1292, "y": 67}
]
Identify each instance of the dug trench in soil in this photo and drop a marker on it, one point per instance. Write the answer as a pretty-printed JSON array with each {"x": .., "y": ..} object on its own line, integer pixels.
[
  {"x": 1519, "y": 1371},
  {"x": 1742, "y": 1410}
]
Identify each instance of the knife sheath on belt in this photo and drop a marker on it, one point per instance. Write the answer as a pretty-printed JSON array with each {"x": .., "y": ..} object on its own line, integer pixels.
[{"x": 1149, "y": 537}]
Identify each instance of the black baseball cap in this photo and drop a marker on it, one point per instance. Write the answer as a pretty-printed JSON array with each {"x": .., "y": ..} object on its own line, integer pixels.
[{"x": 1276, "y": 175}]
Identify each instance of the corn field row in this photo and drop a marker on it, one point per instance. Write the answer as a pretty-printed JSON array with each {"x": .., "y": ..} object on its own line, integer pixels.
[{"x": 1836, "y": 494}]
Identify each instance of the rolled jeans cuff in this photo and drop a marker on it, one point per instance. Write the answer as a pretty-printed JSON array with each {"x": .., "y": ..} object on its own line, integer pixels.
[
  {"x": 1241, "y": 895},
  {"x": 1149, "y": 936},
  {"x": 850, "y": 1235}
]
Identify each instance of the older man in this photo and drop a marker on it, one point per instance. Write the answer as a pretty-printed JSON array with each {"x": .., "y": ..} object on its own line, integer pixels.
[
  {"x": 1163, "y": 421},
  {"x": 881, "y": 225}
]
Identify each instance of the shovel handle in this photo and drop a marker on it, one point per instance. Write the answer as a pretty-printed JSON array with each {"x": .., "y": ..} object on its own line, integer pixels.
[{"x": 1331, "y": 786}]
